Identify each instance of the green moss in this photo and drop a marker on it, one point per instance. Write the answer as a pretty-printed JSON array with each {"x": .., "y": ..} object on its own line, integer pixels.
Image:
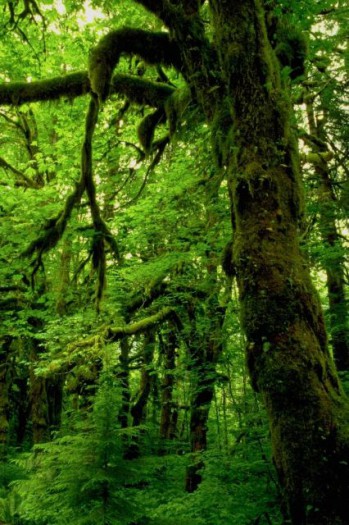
[
  {"x": 175, "y": 107},
  {"x": 147, "y": 127},
  {"x": 222, "y": 133},
  {"x": 154, "y": 48}
]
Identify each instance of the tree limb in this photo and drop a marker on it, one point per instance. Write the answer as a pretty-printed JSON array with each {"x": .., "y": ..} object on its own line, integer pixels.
[
  {"x": 25, "y": 181},
  {"x": 154, "y": 48},
  {"x": 114, "y": 334},
  {"x": 17, "y": 93},
  {"x": 75, "y": 85}
]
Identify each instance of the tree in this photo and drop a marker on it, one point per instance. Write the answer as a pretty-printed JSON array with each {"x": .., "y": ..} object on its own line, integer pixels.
[{"x": 238, "y": 74}]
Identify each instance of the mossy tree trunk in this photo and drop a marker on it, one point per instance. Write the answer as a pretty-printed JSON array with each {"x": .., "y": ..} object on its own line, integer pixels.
[
  {"x": 287, "y": 354},
  {"x": 124, "y": 378}
]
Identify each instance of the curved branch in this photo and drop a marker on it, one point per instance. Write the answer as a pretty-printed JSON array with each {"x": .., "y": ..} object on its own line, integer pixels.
[{"x": 154, "y": 48}]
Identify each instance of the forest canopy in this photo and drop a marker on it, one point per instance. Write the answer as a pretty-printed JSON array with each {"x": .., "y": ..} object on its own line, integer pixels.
[{"x": 174, "y": 334}]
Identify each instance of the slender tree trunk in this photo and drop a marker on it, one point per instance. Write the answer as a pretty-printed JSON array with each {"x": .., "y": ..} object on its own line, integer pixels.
[
  {"x": 333, "y": 260},
  {"x": 139, "y": 407},
  {"x": 169, "y": 357},
  {"x": 287, "y": 354},
  {"x": 138, "y": 410},
  {"x": 4, "y": 393},
  {"x": 205, "y": 349},
  {"x": 54, "y": 391},
  {"x": 38, "y": 401},
  {"x": 206, "y": 345},
  {"x": 124, "y": 377}
]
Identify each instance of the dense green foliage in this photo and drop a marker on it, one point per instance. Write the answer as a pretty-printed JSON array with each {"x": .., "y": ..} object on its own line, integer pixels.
[{"x": 110, "y": 307}]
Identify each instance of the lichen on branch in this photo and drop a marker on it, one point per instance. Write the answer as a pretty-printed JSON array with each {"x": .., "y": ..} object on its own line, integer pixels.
[{"x": 92, "y": 346}]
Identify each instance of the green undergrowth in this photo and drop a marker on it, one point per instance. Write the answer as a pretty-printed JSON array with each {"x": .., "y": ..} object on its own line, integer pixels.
[{"x": 83, "y": 479}]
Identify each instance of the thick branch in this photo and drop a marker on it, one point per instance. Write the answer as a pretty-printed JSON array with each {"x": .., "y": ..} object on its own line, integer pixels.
[
  {"x": 317, "y": 158},
  {"x": 154, "y": 48},
  {"x": 17, "y": 93},
  {"x": 141, "y": 91},
  {"x": 137, "y": 90},
  {"x": 114, "y": 334}
]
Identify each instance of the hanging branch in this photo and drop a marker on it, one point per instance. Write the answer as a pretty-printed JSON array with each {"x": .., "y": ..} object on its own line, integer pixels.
[
  {"x": 102, "y": 232},
  {"x": 160, "y": 145},
  {"x": 155, "y": 48},
  {"x": 55, "y": 227}
]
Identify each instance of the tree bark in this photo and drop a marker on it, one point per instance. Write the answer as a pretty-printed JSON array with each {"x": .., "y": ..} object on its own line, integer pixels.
[
  {"x": 287, "y": 353},
  {"x": 167, "y": 431},
  {"x": 4, "y": 393},
  {"x": 333, "y": 261},
  {"x": 138, "y": 410},
  {"x": 38, "y": 400},
  {"x": 124, "y": 378}
]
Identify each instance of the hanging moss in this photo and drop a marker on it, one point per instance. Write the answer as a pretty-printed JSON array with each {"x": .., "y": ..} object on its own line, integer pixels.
[
  {"x": 222, "y": 133},
  {"x": 147, "y": 127},
  {"x": 290, "y": 44},
  {"x": 175, "y": 106}
]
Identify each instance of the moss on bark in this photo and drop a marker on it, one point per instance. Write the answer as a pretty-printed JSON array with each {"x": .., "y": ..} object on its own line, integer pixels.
[{"x": 287, "y": 352}]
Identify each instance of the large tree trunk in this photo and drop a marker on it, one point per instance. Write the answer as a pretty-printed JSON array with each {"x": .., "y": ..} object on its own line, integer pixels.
[{"x": 287, "y": 354}]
